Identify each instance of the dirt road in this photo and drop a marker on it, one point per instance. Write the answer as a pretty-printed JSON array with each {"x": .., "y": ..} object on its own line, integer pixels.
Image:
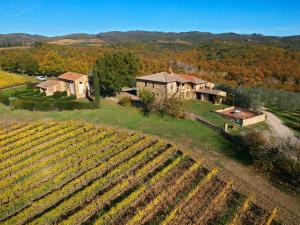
[{"x": 278, "y": 128}]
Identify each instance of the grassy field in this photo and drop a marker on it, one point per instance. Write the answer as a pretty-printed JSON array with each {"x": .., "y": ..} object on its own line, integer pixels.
[
  {"x": 290, "y": 119},
  {"x": 188, "y": 133},
  {"x": 207, "y": 111},
  {"x": 78, "y": 173},
  {"x": 11, "y": 79}
]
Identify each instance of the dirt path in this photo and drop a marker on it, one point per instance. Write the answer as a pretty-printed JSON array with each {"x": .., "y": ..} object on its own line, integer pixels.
[
  {"x": 248, "y": 181},
  {"x": 278, "y": 128},
  {"x": 13, "y": 87}
]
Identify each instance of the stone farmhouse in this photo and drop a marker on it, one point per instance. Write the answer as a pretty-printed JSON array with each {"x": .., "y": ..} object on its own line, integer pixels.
[
  {"x": 172, "y": 85},
  {"x": 73, "y": 83}
]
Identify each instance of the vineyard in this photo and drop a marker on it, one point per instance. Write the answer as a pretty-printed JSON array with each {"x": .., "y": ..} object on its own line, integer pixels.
[
  {"x": 78, "y": 173},
  {"x": 11, "y": 79}
]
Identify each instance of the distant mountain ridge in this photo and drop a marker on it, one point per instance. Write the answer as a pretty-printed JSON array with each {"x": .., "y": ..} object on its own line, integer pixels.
[{"x": 193, "y": 37}]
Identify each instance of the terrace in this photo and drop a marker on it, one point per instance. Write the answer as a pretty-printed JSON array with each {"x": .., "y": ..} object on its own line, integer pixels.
[{"x": 241, "y": 116}]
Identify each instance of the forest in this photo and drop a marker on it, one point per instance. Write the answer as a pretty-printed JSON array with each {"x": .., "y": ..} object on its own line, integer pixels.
[{"x": 227, "y": 62}]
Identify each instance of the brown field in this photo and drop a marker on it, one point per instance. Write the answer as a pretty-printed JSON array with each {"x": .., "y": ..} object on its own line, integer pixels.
[
  {"x": 77, "y": 42},
  {"x": 16, "y": 47}
]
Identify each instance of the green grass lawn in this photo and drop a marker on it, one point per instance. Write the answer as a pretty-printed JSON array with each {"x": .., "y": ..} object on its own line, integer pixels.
[
  {"x": 290, "y": 119},
  {"x": 190, "y": 134},
  {"x": 207, "y": 111},
  {"x": 12, "y": 90},
  {"x": 262, "y": 126}
]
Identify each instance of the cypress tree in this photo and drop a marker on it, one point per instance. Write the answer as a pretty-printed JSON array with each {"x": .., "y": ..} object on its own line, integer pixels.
[{"x": 96, "y": 87}]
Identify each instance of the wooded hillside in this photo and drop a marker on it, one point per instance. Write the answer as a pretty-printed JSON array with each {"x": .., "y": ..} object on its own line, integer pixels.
[{"x": 232, "y": 62}]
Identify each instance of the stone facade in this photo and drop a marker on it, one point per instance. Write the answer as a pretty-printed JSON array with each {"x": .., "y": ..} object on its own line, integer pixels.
[
  {"x": 78, "y": 87},
  {"x": 172, "y": 85},
  {"x": 73, "y": 83},
  {"x": 49, "y": 87}
]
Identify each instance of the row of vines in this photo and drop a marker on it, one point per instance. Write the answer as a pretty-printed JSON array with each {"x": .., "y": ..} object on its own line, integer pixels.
[{"x": 77, "y": 173}]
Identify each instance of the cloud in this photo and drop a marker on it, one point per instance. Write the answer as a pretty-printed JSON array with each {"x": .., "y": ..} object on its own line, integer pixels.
[
  {"x": 27, "y": 9},
  {"x": 17, "y": 7}
]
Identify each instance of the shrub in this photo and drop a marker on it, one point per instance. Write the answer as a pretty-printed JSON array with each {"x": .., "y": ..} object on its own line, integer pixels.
[
  {"x": 147, "y": 99},
  {"x": 4, "y": 99},
  {"x": 125, "y": 101},
  {"x": 59, "y": 94},
  {"x": 280, "y": 157},
  {"x": 171, "y": 107}
]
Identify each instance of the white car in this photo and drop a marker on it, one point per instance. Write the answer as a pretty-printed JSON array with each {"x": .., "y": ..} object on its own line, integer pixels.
[{"x": 41, "y": 78}]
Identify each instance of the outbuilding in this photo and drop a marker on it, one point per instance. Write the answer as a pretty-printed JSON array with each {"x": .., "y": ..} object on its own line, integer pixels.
[
  {"x": 49, "y": 87},
  {"x": 73, "y": 83}
]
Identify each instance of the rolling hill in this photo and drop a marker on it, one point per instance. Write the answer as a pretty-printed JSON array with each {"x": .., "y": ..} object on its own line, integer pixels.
[{"x": 194, "y": 37}]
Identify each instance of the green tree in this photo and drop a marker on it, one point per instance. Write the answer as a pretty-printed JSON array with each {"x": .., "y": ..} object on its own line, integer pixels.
[
  {"x": 96, "y": 88},
  {"x": 52, "y": 64},
  {"x": 147, "y": 98},
  {"x": 116, "y": 70}
]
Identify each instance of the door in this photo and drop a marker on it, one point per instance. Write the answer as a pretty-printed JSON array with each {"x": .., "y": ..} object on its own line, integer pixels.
[
  {"x": 72, "y": 88},
  {"x": 81, "y": 88}
]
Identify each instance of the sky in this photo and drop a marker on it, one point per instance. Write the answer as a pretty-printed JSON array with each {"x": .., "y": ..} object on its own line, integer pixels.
[{"x": 58, "y": 17}]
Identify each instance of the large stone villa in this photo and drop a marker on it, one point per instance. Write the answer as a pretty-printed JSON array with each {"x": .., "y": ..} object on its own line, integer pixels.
[
  {"x": 180, "y": 86},
  {"x": 73, "y": 83}
]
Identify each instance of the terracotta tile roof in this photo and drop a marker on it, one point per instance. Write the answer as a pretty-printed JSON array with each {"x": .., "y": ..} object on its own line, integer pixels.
[
  {"x": 71, "y": 76},
  {"x": 211, "y": 91},
  {"x": 191, "y": 79},
  {"x": 165, "y": 77},
  {"x": 49, "y": 83}
]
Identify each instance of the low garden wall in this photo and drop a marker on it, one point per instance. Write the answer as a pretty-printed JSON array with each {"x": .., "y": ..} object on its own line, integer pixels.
[
  {"x": 253, "y": 120},
  {"x": 250, "y": 116}
]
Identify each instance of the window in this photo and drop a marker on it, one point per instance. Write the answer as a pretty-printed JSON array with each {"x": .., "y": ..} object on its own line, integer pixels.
[
  {"x": 153, "y": 85},
  {"x": 145, "y": 84}
]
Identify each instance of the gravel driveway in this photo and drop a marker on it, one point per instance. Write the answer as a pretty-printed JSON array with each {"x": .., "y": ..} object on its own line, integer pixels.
[{"x": 278, "y": 128}]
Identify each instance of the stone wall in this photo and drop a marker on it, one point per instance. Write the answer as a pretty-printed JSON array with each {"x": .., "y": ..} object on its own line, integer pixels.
[
  {"x": 59, "y": 87},
  {"x": 81, "y": 86},
  {"x": 174, "y": 89},
  {"x": 253, "y": 120},
  {"x": 159, "y": 89},
  {"x": 78, "y": 92},
  {"x": 257, "y": 118}
]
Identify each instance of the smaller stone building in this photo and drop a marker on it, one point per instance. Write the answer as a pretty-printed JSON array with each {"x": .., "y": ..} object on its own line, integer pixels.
[
  {"x": 210, "y": 95},
  {"x": 73, "y": 83},
  {"x": 49, "y": 87}
]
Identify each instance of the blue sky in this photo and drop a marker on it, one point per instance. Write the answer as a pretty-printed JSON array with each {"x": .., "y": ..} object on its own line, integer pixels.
[{"x": 57, "y": 17}]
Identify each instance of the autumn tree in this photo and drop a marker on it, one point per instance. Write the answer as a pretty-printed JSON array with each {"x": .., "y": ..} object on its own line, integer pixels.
[
  {"x": 52, "y": 64},
  {"x": 25, "y": 63}
]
